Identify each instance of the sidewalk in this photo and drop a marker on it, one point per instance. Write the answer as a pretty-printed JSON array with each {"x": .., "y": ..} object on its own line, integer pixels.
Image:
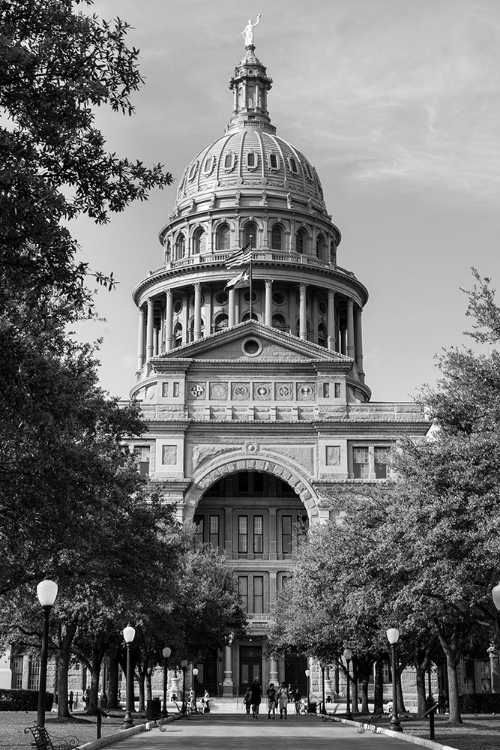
[{"x": 225, "y": 732}]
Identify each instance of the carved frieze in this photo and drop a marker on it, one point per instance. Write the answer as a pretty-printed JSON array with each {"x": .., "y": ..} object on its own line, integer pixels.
[
  {"x": 306, "y": 391},
  {"x": 197, "y": 390},
  {"x": 283, "y": 391},
  {"x": 262, "y": 391},
  {"x": 240, "y": 391},
  {"x": 303, "y": 455},
  {"x": 218, "y": 391},
  {"x": 203, "y": 453}
]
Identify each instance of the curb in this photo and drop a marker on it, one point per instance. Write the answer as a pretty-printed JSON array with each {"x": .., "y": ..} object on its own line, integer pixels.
[
  {"x": 415, "y": 739},
  {"x": 122, "y": 735}
]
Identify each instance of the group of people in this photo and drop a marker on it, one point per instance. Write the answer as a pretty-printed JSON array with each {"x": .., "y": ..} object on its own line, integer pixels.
[
  {"x": 277, "y": 698},
  {"x": 205, "y": 702}
]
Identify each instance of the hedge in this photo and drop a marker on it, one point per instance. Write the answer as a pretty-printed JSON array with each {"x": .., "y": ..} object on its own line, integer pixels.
[
  {"x": 480, "y": 703},
  {"x": 23, "y": 700}
]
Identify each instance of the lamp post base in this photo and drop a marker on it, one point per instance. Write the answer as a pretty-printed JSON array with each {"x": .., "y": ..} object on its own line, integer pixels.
[
  {"x": 395, "y": 726},
  {"x": 127, "y": 721}
]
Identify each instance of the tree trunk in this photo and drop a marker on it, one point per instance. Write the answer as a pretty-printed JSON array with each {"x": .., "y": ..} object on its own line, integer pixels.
[
  {"x": 66, "y": 640},
  {"x": 378, "y": 695},
  {"x": 399, "y": 693},
  {"x": 454, "y": 707},
  {"x": 141, "y": 690},
  {"x": 113, "y": 681},
  {"x": 149, "y": 690},
  {"x": 420, "y": 673}
]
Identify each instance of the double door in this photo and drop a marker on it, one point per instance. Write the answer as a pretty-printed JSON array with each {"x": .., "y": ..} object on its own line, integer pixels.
[{"x": 250, "y": 666}]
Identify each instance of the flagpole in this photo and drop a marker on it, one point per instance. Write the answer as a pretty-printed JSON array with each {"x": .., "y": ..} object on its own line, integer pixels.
[{"x": 251, "y": 290}]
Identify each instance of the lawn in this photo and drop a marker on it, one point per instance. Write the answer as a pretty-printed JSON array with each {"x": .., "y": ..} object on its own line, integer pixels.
[{"x": 12, "y": 724}]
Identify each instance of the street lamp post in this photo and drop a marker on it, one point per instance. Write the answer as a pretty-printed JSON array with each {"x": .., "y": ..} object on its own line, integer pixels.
[
  {"x": 47, "y": 593},
  {"x": 307, "y": 688},
  {"x": 347, "y": 659},
  {"x": 323, "y": 696},
  {"x": 166, "y": 653},
  {"x": 184, "y": 664},
  {"x": 129, "y": 635},
  {"x": 393, "y": 638},
  {"x": 195, "y": 675}
]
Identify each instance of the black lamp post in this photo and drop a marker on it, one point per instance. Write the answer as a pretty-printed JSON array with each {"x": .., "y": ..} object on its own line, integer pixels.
[
  {"x": 195, "y": 675},
  {"x": 393, "y": 638},
  {"x": 129, "y": 635},
  {"x": 347, "y": 659},
  {"x": 323, "y": 697},
  {"x": 184, "y": 664},
  {"x": 307, "y": 688},
  {"x": 166, "y": 653},
  {"x": 47, "y": 593}
]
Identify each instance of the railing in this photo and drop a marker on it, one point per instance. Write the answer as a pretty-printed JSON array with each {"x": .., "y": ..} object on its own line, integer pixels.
[{"x": 258, "y": 255}]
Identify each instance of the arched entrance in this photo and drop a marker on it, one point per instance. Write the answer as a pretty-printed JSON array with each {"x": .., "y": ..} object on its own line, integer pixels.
[{"x": 257, "y": 520}]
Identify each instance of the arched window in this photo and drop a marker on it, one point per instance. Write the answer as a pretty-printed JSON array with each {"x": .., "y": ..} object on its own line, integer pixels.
[
  {"x": 301, "y": 241},
  {"x": 277, "y": 237},
  {"x": 333, "y": 253},
  {"x": 180, "y": 246},
  {"x": 279, "y": 322},
  {"x": 320, "y": 247},
  {"x": 199, "y": 241},
  {"x": 178, "y": 334},
  {"x": 251, "y": 234},
  {"x": 221, "y": 322},
  {"x": 322, "y": 334},
  {"x": 223, "y": 237},
  {"x": 246, "y": 316}
]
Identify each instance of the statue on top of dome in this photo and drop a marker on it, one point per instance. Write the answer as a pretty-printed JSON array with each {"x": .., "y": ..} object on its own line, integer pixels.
[{"x": 247, "y": 32}]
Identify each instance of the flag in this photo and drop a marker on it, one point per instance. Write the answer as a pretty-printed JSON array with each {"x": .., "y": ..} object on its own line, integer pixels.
[
  {"x": 240, "y": 257},
  {"x": 241, "y": 280}
]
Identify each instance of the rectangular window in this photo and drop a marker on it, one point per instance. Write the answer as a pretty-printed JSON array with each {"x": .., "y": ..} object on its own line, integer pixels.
[
  {"x": 243, "y": 591},
  {"x": 381, "y": 462},
  {"x": 286, "y": 535},
  {"x": 258, "y": 538},
  {"x": 176, "y": 389},
  {"x": 258, "y": 594},
  {"x": 214, "y": 531},
  {"x": 141, "y": 453},
  {"x": 16, "y": 666},
  {"x": 361, "y": 467},
  {"x": 164, "y": 390},
  {"x": 242, "y": 534},
  {"x": 284, "y": 581},
  {"x": 34, "y": 673},
  {"x": 302, "y": 526},
  {"x": 326, "y": 390},
  {"x": 199, "y": 529},
  {"x": 337, "y": 390}
]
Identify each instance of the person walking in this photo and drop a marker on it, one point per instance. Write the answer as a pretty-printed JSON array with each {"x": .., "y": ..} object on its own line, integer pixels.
[
  {"x": 283, "y": 700},
  {"x": 298, "y": 699},
  {"x": 247, "y": 700},
  {"x": 271, "y": 700},
  {"x": 255, "y": 698}
]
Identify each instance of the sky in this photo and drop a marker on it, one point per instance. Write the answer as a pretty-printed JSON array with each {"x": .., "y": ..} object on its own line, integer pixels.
[{"x": 397, "y": 105}]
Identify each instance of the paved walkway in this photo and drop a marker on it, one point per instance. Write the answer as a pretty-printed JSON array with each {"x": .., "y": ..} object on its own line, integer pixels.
[{"x": 227, "y": 732}]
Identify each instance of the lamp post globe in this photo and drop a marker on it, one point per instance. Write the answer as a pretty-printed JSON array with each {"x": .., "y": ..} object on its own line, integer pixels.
[
  {"x": 347, "y": 658},
  {"x": 393, "y": 638},
  {"x": 195, "y": 675},
  {"x": 495, "y": 593},
  {"x": 307, "y": 673},
  {"x": 47, "y": 594},
  {"x": 128, "y": 636},
  {"x": 166, "y": 655}
]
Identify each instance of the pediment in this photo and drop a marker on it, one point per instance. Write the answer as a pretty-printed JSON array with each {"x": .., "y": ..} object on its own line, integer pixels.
[{"x": 253, "y": 342}]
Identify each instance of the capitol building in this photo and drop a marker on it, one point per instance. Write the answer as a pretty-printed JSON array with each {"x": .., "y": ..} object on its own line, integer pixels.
[{"x": 250, "y": 367}]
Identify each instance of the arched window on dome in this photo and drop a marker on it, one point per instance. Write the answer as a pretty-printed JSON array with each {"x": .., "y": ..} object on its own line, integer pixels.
[
  {"x": 199, "y": 241},
  {"x": 322, "y": 334},
  {"x": 320, "y": 247},
  {"x": 180, "y": 246},
  {"x": 246, "y": 316},
  {"x": 301, "y": 241},
  {"x": 277, "y": 242},
  {"x": 251, "y": 234},
  {"x": 178, "y": 334},
  {"x": 273, "y": 161},
  {"x": 221, "y": 322},
  {"x": 333, "y": 253},
  {"x": 279, "y": 322},
  {"x": 223, "y": 237}
]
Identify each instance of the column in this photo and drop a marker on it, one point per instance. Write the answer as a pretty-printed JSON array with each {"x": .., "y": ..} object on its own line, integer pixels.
[
  {"x": 197, "y": 311},
  {"x": 358, "y": 338},
  {"x": 169, "y": 322},
  {"x": 227, "y": 685},
  {"x": 328, "y": 684},
  {"x": 230, "y": 306},
  {"x": 185, "y": 319},
  {"x": 331, "y": 320},
  {"x": 302, "y": 312},
  {"x": 350, "y": 328},
  {"x": 273, "y": 671},
  {"x": 149, "y": 331},
  {"x": 268, "y": 313},
  {"x": 140, "y": 340},
  {"x": 156, "y": 337}
]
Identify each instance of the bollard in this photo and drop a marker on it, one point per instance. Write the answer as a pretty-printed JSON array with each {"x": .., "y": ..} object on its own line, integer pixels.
[{"x": 430, "y": 713}]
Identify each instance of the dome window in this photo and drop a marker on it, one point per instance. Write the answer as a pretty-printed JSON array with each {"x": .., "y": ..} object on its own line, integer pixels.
[
  {"x": 252, "y": 160},
  {"x": 321, "y": 247},
  {"x": 251, "y": 347},
  {"x": 246, "y": 296},
  {"x": 300, "y": 241},
  {"x": 274, "y": 161},
  {"x": 309, "y": 174},
  {"x": 251, "y": 234},
  {"x": 199, "y": 241},
  {"x": 322, "y": 335},
  {"x": 192, "y": 171},
  {"x": 180, "y": 247},
  {"x": 221, "y": 322},
  {"x": 221, "y": 298},
  {"x": 277, "y": 237},
  {"x": 229, "y": 162},
  {"x": 208, "y": 165},
  {"x": 177, "y": 334},
  {"x": 293, "y": 165},
  {"x": 279, "y": 322},
  {"x": 322, "y": 307},
  {"x": 223, "y": 237},
  {"x": 177, "y": 306},
  {"x": 278, "y": 298}
]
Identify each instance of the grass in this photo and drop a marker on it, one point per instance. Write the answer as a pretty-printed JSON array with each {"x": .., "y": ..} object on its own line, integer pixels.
[{"x": 12, "y": 724}]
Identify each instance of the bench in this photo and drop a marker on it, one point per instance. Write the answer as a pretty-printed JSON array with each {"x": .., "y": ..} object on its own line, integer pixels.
[{"x": 43, "y": 741}]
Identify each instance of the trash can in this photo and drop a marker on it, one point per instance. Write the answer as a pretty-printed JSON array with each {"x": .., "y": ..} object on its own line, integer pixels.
[
  {"x": 153, "y": 709},
  {"x": 312, "y": 707}
]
